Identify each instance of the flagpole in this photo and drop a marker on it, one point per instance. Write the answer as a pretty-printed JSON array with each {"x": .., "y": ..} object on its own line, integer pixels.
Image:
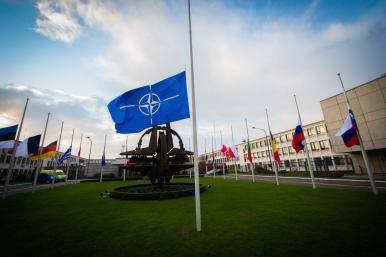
[
  {"x": 102, "y": 166},
  {"x": 194, "y": 119},
  {"x": 305, "y": 146},
  {"x": 78, "y": 166},
  {"x": 213, "y": 166},
  {"x": 273, "y": 154},
  {"x": 206, "y": 159},
  {"x": 214, "y": 139},
  {"x": 68, "y": 160},
  {"x": 361, "y": 146},
  {"x": 40, "y": 161},
  {"x": 125, "y": 170},
  {"x": 11, "y": 162},
  {"x": 223, "y": 169},
  {"x": 253, "y": 170},
  {"x": 57, "y": 153},
  {"x": 233, "y": 145},
  {"x": 190, "y": 169}
]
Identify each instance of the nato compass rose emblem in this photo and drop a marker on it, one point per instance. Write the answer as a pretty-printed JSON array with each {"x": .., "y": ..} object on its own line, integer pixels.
[{"x": 149, "y": 104}]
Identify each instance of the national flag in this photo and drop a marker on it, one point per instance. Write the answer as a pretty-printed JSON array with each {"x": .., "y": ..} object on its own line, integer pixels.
[
  {"x": 78, "y": 158},
  {"x": 231, "y": 154},
  {"x": 47, "y": 152},
  {"x": 349, "y": 131},
  {"x": 206, "y": 158},
  {"x": 103, "y": 162},
  {"x": 152, "y": 105},
  {"x": 224, "y": 151},
  {"x": 7, "y": 136},
  {"x": 276, "y": 155},
  {"x": 249, "y": 157},
  {"x": 28, "y": 147},
  {"x": 298, "y": 138},
  {"x": 65, "y": 156}
]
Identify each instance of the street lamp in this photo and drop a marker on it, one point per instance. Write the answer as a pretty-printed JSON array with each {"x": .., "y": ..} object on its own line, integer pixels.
[
  {"x": 89, "y": 155},
  {"x": 266, "y": 138}
]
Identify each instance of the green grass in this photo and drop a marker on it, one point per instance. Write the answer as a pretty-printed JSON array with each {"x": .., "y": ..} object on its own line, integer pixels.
[{"x": 239, "y": 218}]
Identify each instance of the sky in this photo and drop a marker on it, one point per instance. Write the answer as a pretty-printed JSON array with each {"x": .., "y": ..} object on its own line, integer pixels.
[{"x": 72, "y": 57}]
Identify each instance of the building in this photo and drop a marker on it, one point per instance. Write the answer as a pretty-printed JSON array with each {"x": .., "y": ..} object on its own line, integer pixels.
[
  {"x": 368, "y": 102},
  {"x": 322, "y": 156}
]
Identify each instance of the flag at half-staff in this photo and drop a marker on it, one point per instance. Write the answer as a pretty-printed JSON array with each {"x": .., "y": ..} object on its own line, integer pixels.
[
  {"x": 348, "y": 132},
  {"x": 7, "y": 136},
  {"x": 65, "y": 156},
  {"x": 151, "y": 105},
  {"x": 28, "y": 147},
  {"x": 275, "y": 150},
  {"x": 298, "y": 138},
  {"x": 47, "y": 152}
]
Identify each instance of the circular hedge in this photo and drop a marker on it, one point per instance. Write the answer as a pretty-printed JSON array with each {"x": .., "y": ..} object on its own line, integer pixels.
[{"x": 154, "y": 192}]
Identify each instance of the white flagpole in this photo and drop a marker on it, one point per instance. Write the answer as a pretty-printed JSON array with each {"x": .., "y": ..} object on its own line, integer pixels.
[
  {"x": 214, "y": 152},
  {"x": 273, "y": 154},
  {"x": 125, "y": 168},
  {"x": 206, "y": 159},
  {"x": 233, "y": 144},
  {"x": 11, "y": 163},
  {"x": 194, "y": 119},
  {"x": 213, "y": 166},
  {"x": 104, "y": 156},
  {"x": 361, "y": 146},
  {"x": 57, "y": 154},
  {"x": 253, "y": 170},
  {"x": 305, "y": 147},
  {"x": 40, "y": 161},
  {"x": 78, "y": 164},
  {"x": 68, "y": 160},
  {"x": 223, "y": 168}
]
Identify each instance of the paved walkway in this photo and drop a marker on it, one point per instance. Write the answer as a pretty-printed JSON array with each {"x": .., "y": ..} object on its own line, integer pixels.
[
  {"x": 357, "y": 184},
  {"x": 28, "y": 187}
]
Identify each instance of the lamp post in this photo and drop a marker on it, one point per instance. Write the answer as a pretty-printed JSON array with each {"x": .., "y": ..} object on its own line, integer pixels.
[
  {"x": 89, "y": 155},
  {"x": 268, "y": 144}
]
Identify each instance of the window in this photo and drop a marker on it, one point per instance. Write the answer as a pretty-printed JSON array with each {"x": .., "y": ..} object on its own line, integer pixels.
[
  {"x": 283, "y": 139},
  {"x": 289, "y": 137},
  {"x": 263, "y": 154},
  {"x": 311, "y": 132},
  {"x": 259, "y": 154},
  {"x": 314, "y": 146},
  {"x": 261, "y": 144},
  {"x": 320, "y": 130},
  {"x": 324, "y": 145},
  {"x": 291, "y": 150},
  {"x": 285, "y": 150}
]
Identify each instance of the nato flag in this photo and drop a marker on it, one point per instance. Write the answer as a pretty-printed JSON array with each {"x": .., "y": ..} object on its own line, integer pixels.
[{"x": 152, "y": 105}]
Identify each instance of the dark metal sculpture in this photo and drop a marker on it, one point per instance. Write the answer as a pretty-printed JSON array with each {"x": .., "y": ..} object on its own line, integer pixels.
[{"x": 160, "y": 160}]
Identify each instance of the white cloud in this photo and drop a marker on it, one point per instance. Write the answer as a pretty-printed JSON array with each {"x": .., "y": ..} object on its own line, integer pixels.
[{"x": 57, "y": 20}]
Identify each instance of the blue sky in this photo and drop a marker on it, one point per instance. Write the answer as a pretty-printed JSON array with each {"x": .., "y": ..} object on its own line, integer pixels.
[{"x": 248, "y": 55}]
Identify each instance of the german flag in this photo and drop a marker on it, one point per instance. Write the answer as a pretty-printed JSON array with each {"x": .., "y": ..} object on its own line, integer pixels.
[
  {"x": 47, "y": 152},
  {"x": 276, "y": 155}
]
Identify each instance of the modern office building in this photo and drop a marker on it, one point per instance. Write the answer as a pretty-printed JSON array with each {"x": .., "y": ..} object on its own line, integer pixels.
[{"x": 368, "y": 102}]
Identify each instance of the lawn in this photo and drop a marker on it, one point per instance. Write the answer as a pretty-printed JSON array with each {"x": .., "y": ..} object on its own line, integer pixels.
[{"x": 239, "y": 218}]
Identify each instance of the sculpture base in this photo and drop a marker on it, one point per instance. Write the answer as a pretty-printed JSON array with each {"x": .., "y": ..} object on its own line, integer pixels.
[{"x": 154, "y": 192}]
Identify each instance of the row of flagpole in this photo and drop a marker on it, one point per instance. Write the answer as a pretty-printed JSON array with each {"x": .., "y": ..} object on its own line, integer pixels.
[
  {"x": 39, "y": 164},
  {"x": 271, "y": 143}
]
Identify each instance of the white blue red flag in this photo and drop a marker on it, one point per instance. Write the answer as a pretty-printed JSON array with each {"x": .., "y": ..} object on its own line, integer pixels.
[
  {"x": 298, "y": 138},
  {"x": 349, "y": 130}
]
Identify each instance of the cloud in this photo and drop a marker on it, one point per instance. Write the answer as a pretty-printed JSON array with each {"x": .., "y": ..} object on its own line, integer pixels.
[
  {"x": 243, "y": 64},
  {"x": 57, "y": 20},
  {"x": 88, "y": 115}
]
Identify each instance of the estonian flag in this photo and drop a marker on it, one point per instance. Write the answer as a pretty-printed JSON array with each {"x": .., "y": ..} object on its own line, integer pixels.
[
  {"x": 298, "y": 138},
  {"x": 349, "y": 130},
  {"x": 7, "y": 136},
  {"x": 28, "y": 146}
]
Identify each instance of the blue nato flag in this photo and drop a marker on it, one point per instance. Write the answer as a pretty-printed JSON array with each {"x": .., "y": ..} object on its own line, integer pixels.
[{"x": 148, "y": 106}]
